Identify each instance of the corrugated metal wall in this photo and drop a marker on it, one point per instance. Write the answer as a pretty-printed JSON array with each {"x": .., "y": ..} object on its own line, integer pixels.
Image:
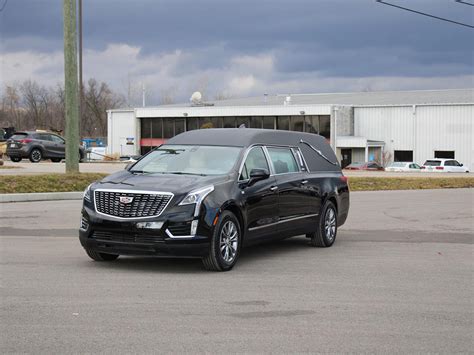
[{"x": 422, "y": 129}]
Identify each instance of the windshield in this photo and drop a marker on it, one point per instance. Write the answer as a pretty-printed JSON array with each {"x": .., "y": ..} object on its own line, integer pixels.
[
  {"x": 432, "y": 163},
  {"x": 397, "y": 164},
  {"x": 189, "y": 160}
]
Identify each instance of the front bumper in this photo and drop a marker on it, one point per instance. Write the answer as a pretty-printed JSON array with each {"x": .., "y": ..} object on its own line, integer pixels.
[{"x": 108, "y": 235}]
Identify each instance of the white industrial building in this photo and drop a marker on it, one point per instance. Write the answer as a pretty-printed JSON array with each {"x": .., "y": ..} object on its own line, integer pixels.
[{"x": 407, "y": 125}]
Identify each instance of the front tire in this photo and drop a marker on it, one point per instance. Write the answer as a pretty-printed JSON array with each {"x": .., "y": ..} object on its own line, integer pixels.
[
  {"x": 15, "y": 159},
  {"x": 326, "y": 231},
  {"x": 36, "y": 155},
  {"x": 225, "y": 244},
  {"x": 96, "y": 256}
]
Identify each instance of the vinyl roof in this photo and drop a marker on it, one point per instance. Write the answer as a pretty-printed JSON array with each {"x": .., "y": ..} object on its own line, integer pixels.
[{"x": 374, "y": 98}]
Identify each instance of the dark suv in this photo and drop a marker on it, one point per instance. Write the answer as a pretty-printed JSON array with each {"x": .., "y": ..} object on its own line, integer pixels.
[
  {"x": 207, "y": 193},
  {"x": 37, "y": 146}
]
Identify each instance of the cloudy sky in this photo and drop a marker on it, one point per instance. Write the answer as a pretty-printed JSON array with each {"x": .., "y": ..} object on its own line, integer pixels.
[{"x": 245, "y": 47}]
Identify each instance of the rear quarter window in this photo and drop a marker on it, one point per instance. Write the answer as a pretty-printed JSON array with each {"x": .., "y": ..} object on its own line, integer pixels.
[
  {"x": 18, "y": 136},
  {"x": 283, "y": 160}
]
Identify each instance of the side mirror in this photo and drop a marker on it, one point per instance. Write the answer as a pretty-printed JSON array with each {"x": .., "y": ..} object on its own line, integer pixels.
[
  {"x": 257, "y": 175},
  {"x": 462, "y": 164}
]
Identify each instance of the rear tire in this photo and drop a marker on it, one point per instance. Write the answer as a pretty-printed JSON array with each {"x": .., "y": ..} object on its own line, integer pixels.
[
  {"x": 326, "y": 231},
  {"x": 36, "y": 155},
  {"x": 225, "y": 244},
  {"x": 15, "y": 159},
  {"x": 94, "y": 255}
]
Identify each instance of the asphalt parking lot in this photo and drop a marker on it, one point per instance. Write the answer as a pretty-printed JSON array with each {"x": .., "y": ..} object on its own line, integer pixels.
[{"x": 398, "y": 279}]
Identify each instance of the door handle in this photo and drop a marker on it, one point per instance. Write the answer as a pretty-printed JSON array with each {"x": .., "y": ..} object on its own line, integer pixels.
[
  {"x": 273, "y": 188},
  {"x": 304, "y": 182}
]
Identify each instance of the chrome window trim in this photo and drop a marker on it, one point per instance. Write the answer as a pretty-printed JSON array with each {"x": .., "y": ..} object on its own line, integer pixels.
[
  {"x": 284, "y": 221},
  {"x": 133, "y": 192},
  {"x": 269, "y": 161}
]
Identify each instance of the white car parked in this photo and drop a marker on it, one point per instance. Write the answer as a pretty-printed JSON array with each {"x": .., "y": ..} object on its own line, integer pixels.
[
  {"x": 444, "y": 165},
  {"x": 403, "y": 166}
]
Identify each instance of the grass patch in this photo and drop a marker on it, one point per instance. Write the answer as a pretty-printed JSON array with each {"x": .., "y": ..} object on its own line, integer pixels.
[
  {"x": 78, "y": 182},
  {"x": 47, "y": 182},
  {"x": 408, "y": 183}
]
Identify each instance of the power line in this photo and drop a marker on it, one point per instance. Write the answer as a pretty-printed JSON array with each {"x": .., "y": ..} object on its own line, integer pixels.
[
  {"x": 464, "y": 2},
  {"x": 4, "y": 4},
  {"x": 425, "y": 14}
]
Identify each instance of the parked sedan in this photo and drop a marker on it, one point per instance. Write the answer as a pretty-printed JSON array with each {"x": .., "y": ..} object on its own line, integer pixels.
[
  {"x": 399, "y": 166},
  {"x": 36, "y": 146},
  {"x": 206, "y": 193},
  {"x": 444, "y": 166},
  {"x": 370, "y": 166}
]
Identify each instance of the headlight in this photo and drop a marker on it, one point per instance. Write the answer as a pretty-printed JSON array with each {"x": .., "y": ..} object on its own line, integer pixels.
[
  {"x": 87, "y": 193},
  {"x": 196, "y": 197}
]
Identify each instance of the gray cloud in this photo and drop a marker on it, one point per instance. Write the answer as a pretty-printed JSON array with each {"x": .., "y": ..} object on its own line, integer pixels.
[{"x": 308, "y": 42}]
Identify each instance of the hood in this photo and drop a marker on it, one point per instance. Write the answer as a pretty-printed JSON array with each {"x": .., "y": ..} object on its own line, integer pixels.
[{"x": 177, "y": 184}]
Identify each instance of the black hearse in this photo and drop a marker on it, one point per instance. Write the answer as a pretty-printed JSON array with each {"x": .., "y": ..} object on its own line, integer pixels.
[{"x": 207, "y": 193}]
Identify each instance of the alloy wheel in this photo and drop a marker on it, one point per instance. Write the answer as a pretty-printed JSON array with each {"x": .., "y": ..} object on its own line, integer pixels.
[
  {"x": 330, "y": 224},
  {"x": 228, "y": 241}
]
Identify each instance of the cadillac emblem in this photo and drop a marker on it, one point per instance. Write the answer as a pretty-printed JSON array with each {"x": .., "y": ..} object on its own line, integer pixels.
[{"x": 125, "y": 199}]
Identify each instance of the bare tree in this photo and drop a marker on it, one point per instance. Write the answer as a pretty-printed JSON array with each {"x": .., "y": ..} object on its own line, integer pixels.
[
  {"x": 98, "y": 99},
  {"x": 168, "y": 96},
  {"x": 222, "y": 95},
  {"x": 384, "y": 159}
]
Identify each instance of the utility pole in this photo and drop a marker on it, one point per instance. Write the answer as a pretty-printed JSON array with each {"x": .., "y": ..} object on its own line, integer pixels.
[
  {"x": 81, "y": 96},
  {"x": 70, "y": 86}
]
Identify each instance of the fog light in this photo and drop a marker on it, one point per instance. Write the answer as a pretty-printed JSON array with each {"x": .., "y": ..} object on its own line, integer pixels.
[
  {"x": 194, "y": 226},
  {"x": 149, "y": 225},
  {"x": 84, "y": 224}
]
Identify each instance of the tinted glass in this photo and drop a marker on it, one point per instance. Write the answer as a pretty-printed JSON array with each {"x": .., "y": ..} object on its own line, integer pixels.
[
  {"x": 325, "y": 126},
  {"x": 449, "y": 163},
  {"x": 283, "y": 160},
  {"x": 145, "y": 125},
  {"x": 255, "y": 160},
  {"x": 56, "y": 139},
  {"x": 256, "y": 122},
  {"x": 432, "y": 163},
  {"x": 297, "y": 123},
  {"x": 269, "y": 122},
  {"x": 168, "y": 127},
  {"x": 189, "y": 160},
  {"x": 178, "y": 126},
  {"x": 192, "y": 124},
  {"x": 311, "y": 124},
  {"x": 242, "y": 120},
  {"x": 283, "y": 122},
  {"x": 19, "y": 136},
  {"x": 229, "y": 122}
]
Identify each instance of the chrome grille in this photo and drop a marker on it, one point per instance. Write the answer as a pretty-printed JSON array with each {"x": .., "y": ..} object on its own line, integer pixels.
[
  {"x": 135, "y": 204},
  {"x": 126, "y": 237}
]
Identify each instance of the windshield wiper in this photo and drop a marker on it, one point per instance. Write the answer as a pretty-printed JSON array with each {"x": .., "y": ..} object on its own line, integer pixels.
[
  {"x": 183, "y": 173},
  {"x": 139, "y": 172}
]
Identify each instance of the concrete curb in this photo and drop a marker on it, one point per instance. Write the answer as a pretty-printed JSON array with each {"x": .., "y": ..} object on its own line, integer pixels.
[{"x": 41, "y": 196}]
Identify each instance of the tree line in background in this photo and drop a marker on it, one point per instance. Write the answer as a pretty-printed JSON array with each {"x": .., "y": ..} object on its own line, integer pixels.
[{"x": 30, "y": 106}]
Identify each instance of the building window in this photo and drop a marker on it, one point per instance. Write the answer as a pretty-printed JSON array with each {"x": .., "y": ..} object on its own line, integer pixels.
[
  {"x": 311, "y": 124},
  {"x": 268, "y": 122},
  {"x": 168, "y": 128},
  {"x": 444, "y": 154},
  {"x": 145, "y": 127},
  {"x": 325, "y": 126},
  {"x": 256, "y": 122},
  {"x": 242, "y": 121},
  {"x": 403, "y": 155},
  {"x": 229, "y": 122},
  {"x": 179, "y": 126},
  {"x": 283, "y": 123},
  {"x": 297, "y": 123},
  {"x": 191, "y": 123}
]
